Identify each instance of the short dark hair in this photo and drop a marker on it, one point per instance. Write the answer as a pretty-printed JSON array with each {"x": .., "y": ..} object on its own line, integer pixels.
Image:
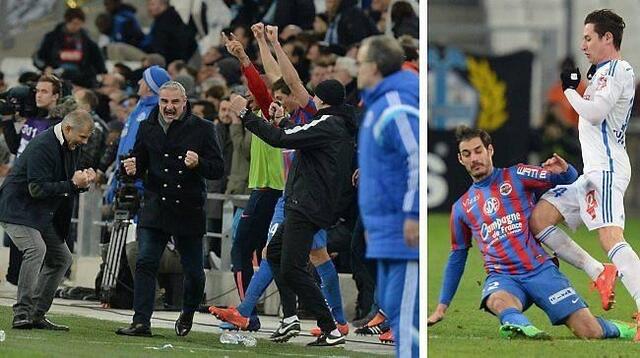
[
  {"x": 605, "y": 20},
  {"x": 55, "y": 82},
  {"x": 281, "y": 85},
  {"x": 209, "y": 110},
  {"x": 385, "y": 52},
  {"x": 74, "y": 13},
  {"x": 216, "y": 91},
  {"x": 465, "y": 133}
]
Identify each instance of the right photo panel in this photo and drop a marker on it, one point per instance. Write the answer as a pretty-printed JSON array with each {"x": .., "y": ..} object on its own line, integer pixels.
[{"x": 533, "y": 211}]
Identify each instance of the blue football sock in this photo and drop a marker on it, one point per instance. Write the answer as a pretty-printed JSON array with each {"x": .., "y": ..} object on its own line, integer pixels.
[
  {"x": 513, "y": 316},
  {"x": 609, "y": 330},
  {"x": 259, "y": 283},
  {"x": 331, "y": 290}
]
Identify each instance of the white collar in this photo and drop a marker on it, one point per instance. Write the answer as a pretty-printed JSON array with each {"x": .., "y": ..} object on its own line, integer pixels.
[{"x": 57, "y": 130}]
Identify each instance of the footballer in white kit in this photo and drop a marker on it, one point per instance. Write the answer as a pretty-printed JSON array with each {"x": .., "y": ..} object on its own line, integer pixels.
[{"x": 597, "y": 197}]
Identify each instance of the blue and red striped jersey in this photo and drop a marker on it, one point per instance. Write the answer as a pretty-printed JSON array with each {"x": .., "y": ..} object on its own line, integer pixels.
[{"x": 496, "y": 210}]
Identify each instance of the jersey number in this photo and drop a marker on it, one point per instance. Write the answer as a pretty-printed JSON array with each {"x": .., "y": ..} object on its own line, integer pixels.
[{"x": 558, "y": 192}]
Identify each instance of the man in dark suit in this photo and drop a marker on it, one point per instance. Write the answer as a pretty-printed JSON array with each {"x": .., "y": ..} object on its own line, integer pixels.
[
  {"x": 36, "y": 202},
  {"x": 175, "y": 151}
]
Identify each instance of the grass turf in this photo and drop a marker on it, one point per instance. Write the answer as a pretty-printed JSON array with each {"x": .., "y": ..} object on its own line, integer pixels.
[
  {"x": 467, "y": 331},
  {"x": 96, "y": 338}
]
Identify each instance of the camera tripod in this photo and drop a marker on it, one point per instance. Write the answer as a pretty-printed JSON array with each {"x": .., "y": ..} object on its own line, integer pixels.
[{"x": 115, "y": 255}]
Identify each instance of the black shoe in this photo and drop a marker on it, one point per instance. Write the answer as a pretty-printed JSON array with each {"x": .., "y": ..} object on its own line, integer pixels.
[
  {"x": 327, "y": 340},
  {"x": 48, "y": 325},
  {"x": 183, "y": 324},
  {"x": 286, "y": 331},
  {"x": 22, "y": 321},
  {"x": 136, "y": 329}
]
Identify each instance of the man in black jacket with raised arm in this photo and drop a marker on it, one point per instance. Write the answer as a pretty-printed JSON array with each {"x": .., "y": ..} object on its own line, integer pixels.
[
  {"x": 320, "y": 175},
  {"x": 175, "y": 151},
  {"x": 36, "y": 202}
]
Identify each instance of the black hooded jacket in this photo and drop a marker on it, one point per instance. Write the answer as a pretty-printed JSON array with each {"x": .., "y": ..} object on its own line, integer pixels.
[{"x": 321, "y": 171}]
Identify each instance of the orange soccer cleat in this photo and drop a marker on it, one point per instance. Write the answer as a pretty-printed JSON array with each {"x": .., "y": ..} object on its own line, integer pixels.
[
  {"x": 230, "y": 315},
  {"x": 387, "y": 337},
  {"x": 605, "y": 284},
  {"x": 378, "y": 324},
  {"x": 343, "y": 328}
]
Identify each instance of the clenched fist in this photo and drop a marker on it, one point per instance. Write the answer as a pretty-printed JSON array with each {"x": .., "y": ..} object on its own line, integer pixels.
[
  {"x": 272, "y": 33},
  {"x": 80, "y": 179},
  {"x": 130, "y": 166},
  {"x": 191, "y": 159}
]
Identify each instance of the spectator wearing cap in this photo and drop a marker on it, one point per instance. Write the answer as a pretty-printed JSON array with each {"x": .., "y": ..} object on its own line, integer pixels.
[
  {"x": 152, "y": 79},
  {"x": 346, "y": 71},
  {"x": 320, "y": 175},
  {"x": 69, "y": 47}
]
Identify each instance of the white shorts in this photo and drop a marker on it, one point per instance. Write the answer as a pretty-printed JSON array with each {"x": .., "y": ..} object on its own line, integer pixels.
[{"x": 595, "y": 199}]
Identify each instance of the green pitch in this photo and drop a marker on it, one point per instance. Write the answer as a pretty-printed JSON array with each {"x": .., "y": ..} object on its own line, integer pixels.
[
  {"x": 95, "y": 338},
  {"x": 468, "y": 332}
]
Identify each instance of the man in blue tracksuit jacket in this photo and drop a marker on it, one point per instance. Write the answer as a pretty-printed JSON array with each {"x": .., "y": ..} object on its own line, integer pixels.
[
  {"x": 152, "y": 78},
  {"x": 389, "y": 183}
]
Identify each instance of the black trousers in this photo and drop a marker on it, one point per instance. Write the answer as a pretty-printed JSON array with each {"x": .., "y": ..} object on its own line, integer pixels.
[
  {"x": 364, "y": 271},
  {"x": 151, "y": 245},
  {"x": 288, "y": 255}
]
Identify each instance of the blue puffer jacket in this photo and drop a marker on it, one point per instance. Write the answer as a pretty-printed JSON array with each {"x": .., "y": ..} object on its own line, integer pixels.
[
  {"x": 128, "y": 138},
  {"x": 389, "y": 162}
]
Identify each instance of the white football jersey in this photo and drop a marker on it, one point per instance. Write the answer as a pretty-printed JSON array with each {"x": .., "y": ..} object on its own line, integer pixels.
[{"x": 603, "y": 144}]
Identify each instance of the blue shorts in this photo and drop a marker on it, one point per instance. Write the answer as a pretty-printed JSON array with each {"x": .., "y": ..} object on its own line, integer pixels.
[
  {"x": 319, "y": 239},
  {"x": 546, "y": 287}
]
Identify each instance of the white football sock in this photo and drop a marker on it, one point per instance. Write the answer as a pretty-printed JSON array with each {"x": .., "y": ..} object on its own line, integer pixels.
[
  {"x": 628, "y": 264},
  {"x": 557, "y": 240}
]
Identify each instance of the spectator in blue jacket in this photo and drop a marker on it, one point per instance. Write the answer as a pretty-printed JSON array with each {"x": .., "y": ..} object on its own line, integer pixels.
[{"x": 389, "y": 183}]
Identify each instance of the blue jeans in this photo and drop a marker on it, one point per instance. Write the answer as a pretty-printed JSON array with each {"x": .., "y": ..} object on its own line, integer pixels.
[{"x": 151, "y": 245}]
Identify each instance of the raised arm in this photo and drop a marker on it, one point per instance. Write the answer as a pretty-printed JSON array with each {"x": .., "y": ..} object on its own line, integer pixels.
[
  {"x": 270, "y": 64},
  {"x": 289, "y": 73},
  {"x": 256, "y": 85}
]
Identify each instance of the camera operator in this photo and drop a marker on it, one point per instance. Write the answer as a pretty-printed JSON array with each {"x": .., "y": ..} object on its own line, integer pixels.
[
  {"x": 48, "y": 91},
  {"x": 36, "y": 202},
  {"x": 175, "y": 151}
]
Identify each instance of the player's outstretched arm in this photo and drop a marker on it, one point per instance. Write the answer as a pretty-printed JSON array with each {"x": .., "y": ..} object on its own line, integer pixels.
[{"x": 452, "y": 275}]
